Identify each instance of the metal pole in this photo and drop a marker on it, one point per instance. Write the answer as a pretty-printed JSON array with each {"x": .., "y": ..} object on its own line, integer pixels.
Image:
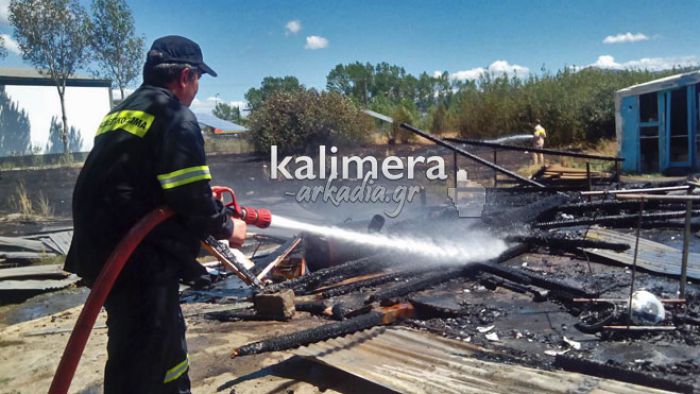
[
  {"x": 634, "y": 261},
  {"x": 472, "y": 156},
  {"x": 531, "y": 149},
  {"x": 686, "y": 242}
]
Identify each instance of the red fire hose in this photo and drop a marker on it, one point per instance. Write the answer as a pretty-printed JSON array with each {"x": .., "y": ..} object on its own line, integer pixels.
[{"x": 98, "y": 294}]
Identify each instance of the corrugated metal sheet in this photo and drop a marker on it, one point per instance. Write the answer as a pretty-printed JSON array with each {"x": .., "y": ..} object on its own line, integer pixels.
[
  {"x": 410, "y": 361},
  {"x": 651, "y": 255},
  {"x": 214, "y": 122},
  {"x": 656, "y": 85},
  {"x": 37, "y": 285},
  {"x": 34, "y": 271},
  {"x": 59, "y": 241}
]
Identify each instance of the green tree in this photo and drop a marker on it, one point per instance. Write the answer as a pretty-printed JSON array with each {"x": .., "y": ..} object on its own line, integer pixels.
[
  {"x": 14, "y": 127},
  {"x": 53, "y": 36},
  {"x": 3, "y": 49},
  {"x": 268, "y": 87},
  {"x": 113, "y": 39},
  {"x": 53, "y": 145},
  {"x": 228, "y": 112},
  {"x": 298, "y": 121}
]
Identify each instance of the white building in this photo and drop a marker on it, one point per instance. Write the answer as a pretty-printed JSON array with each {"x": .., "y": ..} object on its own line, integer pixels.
[{"x": 26, "y": 95}]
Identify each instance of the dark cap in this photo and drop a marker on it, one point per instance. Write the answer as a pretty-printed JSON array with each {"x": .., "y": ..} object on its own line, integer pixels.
[{"x": 177, "y": 49}]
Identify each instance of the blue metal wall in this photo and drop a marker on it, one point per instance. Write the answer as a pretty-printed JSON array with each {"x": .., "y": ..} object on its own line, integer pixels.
[
  {"x": 629, "y": 146},
  {"x": 630, "y": 141}
]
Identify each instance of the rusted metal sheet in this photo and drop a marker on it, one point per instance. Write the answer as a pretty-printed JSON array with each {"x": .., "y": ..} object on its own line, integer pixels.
[
  {"x": 410, "y": 361},
  {"x": 652, "y": 256}
]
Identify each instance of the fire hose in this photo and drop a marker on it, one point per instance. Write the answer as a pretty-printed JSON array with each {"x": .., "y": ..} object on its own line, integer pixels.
[{"x": 116, "y": 261}]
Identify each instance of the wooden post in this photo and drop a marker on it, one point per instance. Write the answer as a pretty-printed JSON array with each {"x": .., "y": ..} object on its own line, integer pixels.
[
  {"x": 617, "y": 170},
  {"x": 588, "y": 177},
  {"x": 495, "y": 173},
  {"x": 454, "y": 166}
]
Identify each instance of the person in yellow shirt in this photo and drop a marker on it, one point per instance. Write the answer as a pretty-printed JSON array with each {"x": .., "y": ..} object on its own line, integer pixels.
[{"x": 538, "y": 142}]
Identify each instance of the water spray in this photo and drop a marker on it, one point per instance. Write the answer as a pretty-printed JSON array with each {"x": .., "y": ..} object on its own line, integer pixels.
[{"x": 473, "y": 246}]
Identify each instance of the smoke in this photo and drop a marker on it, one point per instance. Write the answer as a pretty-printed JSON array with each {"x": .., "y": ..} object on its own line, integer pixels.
[{"x": 473, "y": 245}]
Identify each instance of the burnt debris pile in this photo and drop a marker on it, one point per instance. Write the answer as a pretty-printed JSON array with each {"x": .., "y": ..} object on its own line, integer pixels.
[{"x": 595, "y": 282}]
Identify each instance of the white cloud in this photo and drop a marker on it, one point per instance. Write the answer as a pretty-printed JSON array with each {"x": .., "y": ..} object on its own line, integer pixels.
[
  {"x": 647, "y": 63},
  {"x": 498, "y": 67},
  {"x": 5, "y": 12},
  {"x": 316, "y": 42},
  {"x": 625, "y": 37},
  {"x": 292, "y": 27},
  {"x": 11, "y": 45},
  {"x": 437, "y": 73}
]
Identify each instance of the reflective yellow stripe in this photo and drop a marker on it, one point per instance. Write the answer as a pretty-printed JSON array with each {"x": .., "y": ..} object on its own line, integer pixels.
[
  {"x": 184, "y": 176},
  {"x": 134, "y": 122},
  {"x": 177, "y": 371}
]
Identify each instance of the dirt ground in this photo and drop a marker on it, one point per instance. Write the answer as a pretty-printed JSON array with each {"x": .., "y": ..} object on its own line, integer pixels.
[{"x": 30, "y": 351}]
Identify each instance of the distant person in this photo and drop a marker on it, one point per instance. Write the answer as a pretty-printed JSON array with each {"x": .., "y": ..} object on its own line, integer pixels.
[{"x": 538, "y": 142}]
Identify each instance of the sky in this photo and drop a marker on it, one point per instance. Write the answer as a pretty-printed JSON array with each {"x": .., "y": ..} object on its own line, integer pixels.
[{"x": 245, "y": 41}]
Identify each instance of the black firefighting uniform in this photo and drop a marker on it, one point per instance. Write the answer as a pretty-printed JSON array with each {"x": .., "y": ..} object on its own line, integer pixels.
[{"x": 148, "y": 152}]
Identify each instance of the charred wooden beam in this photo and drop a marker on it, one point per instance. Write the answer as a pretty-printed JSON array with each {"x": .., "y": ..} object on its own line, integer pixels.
[
  {"x": 561, "y": 243},
  {"x": 418, "y": 284},
  {"x": 371, "y": 282},
  {"x": 313, "y": 307},
  {"x": 302, "y": 284},
  {"x": 616, "y": 206},
  {"x": 609, "y": 371},
  {"x": 527, "y": 214},
  {"x": 371, "y": 319}
]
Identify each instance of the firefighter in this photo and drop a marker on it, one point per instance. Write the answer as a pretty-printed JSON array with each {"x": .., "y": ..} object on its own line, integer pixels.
[
  {"x": 538, "y": 137},
  {"x": 149, "y": 152}
]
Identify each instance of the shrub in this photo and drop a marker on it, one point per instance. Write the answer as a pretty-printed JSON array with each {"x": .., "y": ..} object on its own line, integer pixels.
[{"x": 298, "y": 121}]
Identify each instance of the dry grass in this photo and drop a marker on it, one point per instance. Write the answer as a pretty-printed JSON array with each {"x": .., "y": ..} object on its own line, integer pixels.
[
  {"x": 229, "y": 145},
  {"x": 21, "y": 201},
  {"x": 44, "y": 207}
]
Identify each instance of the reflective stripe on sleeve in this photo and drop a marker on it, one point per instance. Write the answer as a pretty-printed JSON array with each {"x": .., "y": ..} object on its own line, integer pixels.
[
  {"x": 184, "y": 177},
  {"x": 177, "y": 371},
  {"x": 134, "y": 122}
]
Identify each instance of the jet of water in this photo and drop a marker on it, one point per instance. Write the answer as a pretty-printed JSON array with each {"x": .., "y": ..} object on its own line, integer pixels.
[
  {"x": 517, "y": 137},
  {"x": 474, "y": 245}
]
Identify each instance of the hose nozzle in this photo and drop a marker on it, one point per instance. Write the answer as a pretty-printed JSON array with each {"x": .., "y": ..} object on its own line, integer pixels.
[{"x": 259, "y": 217}]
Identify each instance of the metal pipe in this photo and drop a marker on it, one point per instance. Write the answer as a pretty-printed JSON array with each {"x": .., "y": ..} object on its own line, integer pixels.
[
  {"x": 661, "y": 197},
  {"x": 628, "y": 191},
  {"x": 686, "y": 244},
  {"x": 534, "y": 150},
  {"x": 472, "y": 156},
  {"x": 634, "y": 260}
]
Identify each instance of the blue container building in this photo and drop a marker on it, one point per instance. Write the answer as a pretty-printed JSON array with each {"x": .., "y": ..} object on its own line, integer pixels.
[{"x": 657, "y": 125}]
